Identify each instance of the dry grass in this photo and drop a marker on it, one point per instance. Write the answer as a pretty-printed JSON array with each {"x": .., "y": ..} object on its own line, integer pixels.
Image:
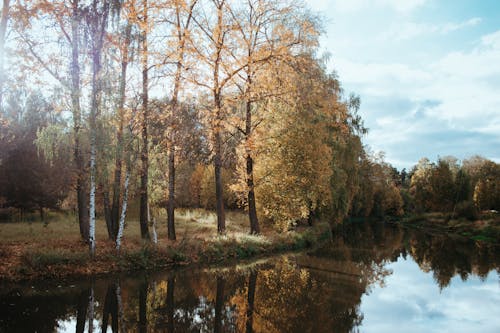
[
  {"x": 31, "y": 250},
  {"x": 190, "y": 224}
]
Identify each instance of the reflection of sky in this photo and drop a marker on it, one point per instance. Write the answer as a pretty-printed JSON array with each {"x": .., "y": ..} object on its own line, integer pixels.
[{"x": 412, "y": 302}]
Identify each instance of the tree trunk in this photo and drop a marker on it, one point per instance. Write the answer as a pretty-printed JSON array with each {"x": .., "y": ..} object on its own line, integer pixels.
[
  {"x": 124, "y": 212},
  {"x": 97, "y": 29},
  {"x": 219, "y": 190},
  {"x": 107, "y": 213},
  {"x": 252, "y": 209},
  {"x": 93, "y": 171},
  {"x": 81, "y": 190},
  {"x": 171, "y": 192},
  {"x": 219, "y": 304},
  {"x": 3, "y": 29},
  {"x": 143, "y": 209},
  {"x": 252, "y": 285},
  {"x": 115, "y": 208}
]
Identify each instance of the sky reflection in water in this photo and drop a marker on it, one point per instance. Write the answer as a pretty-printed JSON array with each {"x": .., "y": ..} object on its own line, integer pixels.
[{"x": 412, "y": 300}]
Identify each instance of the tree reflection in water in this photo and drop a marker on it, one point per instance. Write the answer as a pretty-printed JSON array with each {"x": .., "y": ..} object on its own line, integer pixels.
[{"x": 319, "y": 292}]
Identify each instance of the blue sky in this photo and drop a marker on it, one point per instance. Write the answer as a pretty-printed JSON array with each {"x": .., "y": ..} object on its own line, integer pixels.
[{"x": 427, "y": 71}]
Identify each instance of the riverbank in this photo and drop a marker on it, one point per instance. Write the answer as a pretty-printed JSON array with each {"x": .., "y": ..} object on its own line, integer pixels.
[
  {"x": 31, "y": 251},
  {"x": 485, "y": 229}
]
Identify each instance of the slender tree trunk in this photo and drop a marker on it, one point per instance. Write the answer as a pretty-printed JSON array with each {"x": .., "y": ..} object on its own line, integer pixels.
[
  {"x": 107, "y": 212},
  {"x": 170, "y": 304},
  {"x": 81, "y": 189},
  {"x": 171, "y": 160},
  {"x": 3, "y": 30},
  {"x": 143, "y": 209},
  {"x": 219, "y": 191},
  {"x": 252, "y": 284},
  {"x": 219, "y": 304},
  {"x": 217, "y": 127},
  {"x": 121, "y": 225},
  {"x": 98, "y": 29},
  {"x": 93, "y": 171},
  {"x": 252, "y": 209},
  {"x": 115, "y": 208},
  {"x": 181, "y": 36}
]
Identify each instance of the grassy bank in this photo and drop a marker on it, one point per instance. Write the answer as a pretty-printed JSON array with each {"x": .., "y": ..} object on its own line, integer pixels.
[
  {"x": 485, "y": 229},
  {"x": 34, "y": 250}
]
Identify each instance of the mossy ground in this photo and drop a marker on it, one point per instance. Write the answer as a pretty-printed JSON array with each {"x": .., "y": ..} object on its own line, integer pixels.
[{"x": 35, "y": 250}]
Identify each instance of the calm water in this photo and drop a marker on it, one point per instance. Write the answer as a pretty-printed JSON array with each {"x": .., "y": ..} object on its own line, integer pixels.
[{"x": 373, "y": 278}]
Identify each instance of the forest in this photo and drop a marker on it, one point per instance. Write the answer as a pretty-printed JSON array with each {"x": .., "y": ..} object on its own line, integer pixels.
[{"x": 123, "y": 112}]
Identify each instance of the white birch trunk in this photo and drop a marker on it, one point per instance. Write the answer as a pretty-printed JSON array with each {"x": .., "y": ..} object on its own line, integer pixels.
[
  {"x": 121, "y": 226},
  {"x": 92, "y": 196}
]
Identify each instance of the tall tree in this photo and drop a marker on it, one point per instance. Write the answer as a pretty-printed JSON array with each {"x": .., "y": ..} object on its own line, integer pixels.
[
  {"x": 97, "y": 19},
  {"x": 183, "y": 16},
  {"x": 112, "y": 219},
  {"x": 267, "y": 36},
  {"x": 143, "y": 208},
  {"x": 81, "y": 188},
  {"x": 214, "y": 51}
]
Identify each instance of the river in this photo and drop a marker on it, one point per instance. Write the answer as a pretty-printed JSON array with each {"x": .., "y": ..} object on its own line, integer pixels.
[{"x": 372, "y": 277}]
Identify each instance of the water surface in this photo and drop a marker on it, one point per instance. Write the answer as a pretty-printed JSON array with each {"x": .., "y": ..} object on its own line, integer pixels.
[{"x": 372, "y": 278}]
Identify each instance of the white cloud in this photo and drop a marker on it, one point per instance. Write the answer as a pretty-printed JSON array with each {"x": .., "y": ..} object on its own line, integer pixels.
[
  {"x": 380, "y": 79},
  {"x": 403, "y": 6},
  {"x": 465, "y": 84},
  {"x": 409, "y": 30}
]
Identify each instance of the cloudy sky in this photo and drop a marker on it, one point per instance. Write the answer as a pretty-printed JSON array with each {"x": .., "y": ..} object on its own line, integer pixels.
[{"x": 427, "y": 71}]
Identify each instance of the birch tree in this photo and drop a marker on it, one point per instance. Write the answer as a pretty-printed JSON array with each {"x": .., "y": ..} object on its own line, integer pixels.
[{"x": 97, "y": 15}]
